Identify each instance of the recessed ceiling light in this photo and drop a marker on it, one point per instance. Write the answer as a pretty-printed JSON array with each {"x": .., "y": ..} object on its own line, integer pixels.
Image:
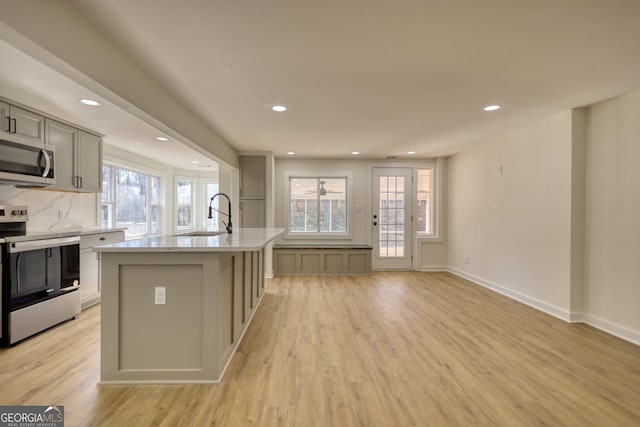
[
  {"x": 162, "y": 138},
  {"x": 279, "y": 108},
  {"x": 492, "y": 107},
  {"x": 411, "y": 152},
  {"x": 195, "y": 162},
  {"x": 291, "y": 153},
  {"x": 355, "y": 153},
  {"x": 91, "y": 102}
]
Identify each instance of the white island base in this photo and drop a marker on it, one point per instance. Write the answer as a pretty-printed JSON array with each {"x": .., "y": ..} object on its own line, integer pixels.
[{"x": 211, "y": 292}]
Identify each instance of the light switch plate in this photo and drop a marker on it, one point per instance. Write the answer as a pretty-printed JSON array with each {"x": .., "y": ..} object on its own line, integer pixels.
[{"x": 161, "y": 295}]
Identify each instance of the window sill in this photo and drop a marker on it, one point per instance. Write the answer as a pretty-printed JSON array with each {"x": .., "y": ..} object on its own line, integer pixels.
[
  {"x": 316, "y": 236},
  {"x": 429, "y": 238}
]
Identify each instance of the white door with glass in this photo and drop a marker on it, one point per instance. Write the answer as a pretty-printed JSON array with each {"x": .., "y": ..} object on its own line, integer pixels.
[{"x": 391, "y": 218}]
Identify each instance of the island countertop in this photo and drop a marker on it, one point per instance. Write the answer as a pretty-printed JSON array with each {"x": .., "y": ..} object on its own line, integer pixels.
[{"x": 242, "y": 239}]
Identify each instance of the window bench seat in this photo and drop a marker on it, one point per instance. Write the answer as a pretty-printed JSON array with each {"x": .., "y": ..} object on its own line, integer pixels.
[{"x": 321, "y": 259}]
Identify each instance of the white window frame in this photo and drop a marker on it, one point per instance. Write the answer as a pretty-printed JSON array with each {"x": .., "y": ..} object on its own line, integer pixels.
[
  {"x": 347, "y": 234},
  {"x": 216, "y": 203},
  {"x": 114, "y": 203},
  {"x": 200, "y": 203},
  {"x": 437, "y": 206},
  {"x": 431, "y": 210},
  {"x": 194, "y": 203},
  {"x": 437, "y": 209}
]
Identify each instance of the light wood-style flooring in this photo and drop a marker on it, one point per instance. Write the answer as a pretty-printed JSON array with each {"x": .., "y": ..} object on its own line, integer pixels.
[{"x": 390, "y": 349}]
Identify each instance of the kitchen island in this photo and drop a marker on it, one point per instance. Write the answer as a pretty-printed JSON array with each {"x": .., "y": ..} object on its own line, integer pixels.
[{"x": 174, "y": 308}]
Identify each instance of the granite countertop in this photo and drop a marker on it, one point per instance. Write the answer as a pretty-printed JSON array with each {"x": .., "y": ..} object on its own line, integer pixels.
[
  {"x": 242, "y": 239},
  {"x": 63, "y": 232}
]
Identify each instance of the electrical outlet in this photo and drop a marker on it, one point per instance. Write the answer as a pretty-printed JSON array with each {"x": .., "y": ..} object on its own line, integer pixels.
[
  {"x": 60, "y": 214},
  {"x": 161, "y": 295},
  {"x": 466, "y": 260}
]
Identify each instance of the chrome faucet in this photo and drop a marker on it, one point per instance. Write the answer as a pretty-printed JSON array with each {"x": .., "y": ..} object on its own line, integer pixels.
[{"x": 228, "y": 227}]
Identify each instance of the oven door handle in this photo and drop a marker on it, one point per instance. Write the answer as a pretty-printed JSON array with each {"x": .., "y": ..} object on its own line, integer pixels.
[
  {"x": 18, "y": 273},
  {"x": 33, "y": 245}
]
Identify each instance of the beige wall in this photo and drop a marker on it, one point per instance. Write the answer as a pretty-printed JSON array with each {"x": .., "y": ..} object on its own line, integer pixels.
[
  {"x": 612, "y": 274},
  {"x": 509, "y": 207}
]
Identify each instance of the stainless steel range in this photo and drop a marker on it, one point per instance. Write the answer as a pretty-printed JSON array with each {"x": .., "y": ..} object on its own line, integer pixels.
[{"x": 40, "y": 277}]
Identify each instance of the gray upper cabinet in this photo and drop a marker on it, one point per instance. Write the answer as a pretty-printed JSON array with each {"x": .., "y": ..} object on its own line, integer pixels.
[
  {"x": 5, "y": 118},
  {"x": 64, "y": 139},
  {"x": 89, "y": 162},
  {"x": 21, "y": 124},
  {"x": 78, "y": 153},
  {"x": 78, "y": 157},
  {"x": 252, "y": 177}
]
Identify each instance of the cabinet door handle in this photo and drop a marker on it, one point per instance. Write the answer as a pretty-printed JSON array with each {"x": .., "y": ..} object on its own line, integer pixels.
[
  {"x": 8, "y": 124},
  {"x": 80, "y": 182},
  {"x": 102, "y": 238},
  {"x": 15, "y": 126}
]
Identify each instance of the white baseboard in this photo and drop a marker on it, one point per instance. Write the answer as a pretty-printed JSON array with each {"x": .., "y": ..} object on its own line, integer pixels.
[
  {"x": 435, "y": 268},
  {"x": 572, "y": 317},
  {"x": 612, "y": 328},
  {"x": 576, "y": 317},
  {"x": 532, "y": 302}
]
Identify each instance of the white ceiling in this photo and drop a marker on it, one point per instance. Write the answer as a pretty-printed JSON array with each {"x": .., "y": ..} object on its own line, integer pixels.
[
  {"x": 32, "y": 83},
  {"x": 379, "y": 77}
]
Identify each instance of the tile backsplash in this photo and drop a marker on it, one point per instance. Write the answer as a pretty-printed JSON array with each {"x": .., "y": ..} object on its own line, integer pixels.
[{"x": 51, "y": 210}]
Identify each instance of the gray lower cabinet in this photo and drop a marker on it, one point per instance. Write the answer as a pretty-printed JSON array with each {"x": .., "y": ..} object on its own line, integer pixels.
[
  {"x": 90, "y": 264},
  {"x": 210, "y": 298},
  {"x": 252, "y": 213},
  {"x": 329, "y": 259}
]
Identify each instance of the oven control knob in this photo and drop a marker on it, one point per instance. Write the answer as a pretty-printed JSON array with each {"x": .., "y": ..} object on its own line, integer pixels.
[
  {"x": 23, "y": 212},
  {"x": 16, "y": 212}
]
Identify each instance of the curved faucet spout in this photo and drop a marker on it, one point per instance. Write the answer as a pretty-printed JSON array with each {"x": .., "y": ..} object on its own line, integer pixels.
[{"x": 229, "y": 226}]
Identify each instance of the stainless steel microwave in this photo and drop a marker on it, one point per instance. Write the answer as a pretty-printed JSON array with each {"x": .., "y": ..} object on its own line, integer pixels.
[{"x": 27, "y": 163}]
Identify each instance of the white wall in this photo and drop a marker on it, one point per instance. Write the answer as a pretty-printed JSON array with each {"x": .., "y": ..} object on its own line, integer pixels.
[
  {"x": 431, "y": 253},
  {"x": 558, "y": 229},
  {"x": 80, "y": 52},
  {"x": 612, "y": 274},
  {"x": 514, "y": 226}
]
